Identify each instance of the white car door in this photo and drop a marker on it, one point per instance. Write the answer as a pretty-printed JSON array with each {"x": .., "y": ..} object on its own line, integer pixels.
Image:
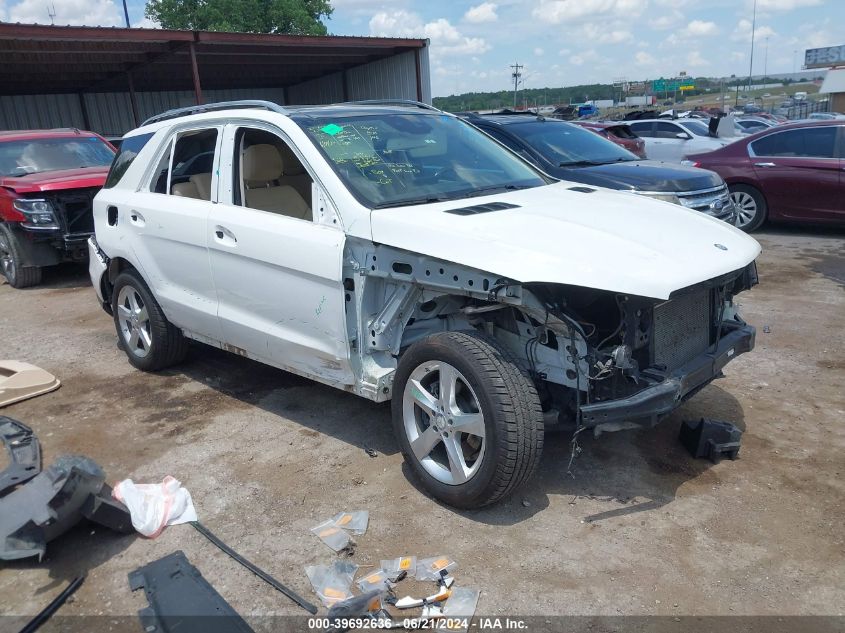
[
  {"x": 277, "y": 272},
  {"x": 669, "y": 142},
  {"x": 166, "y": 224}
]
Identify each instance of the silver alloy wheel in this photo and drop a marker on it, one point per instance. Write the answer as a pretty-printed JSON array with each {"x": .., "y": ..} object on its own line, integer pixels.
[
  {"x": 746, "y": 207},
  {"x": 443, "y": 422},
  {"x": 7, "y": 262},
  {"x": 134, "y": 322}
]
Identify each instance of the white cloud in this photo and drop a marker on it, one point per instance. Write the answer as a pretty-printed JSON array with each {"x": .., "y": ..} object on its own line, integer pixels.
[
  {"x": 76, "y": 12},
  {"x": 484, "y": 12},
  {"x": 666, "y": 21},
  {"x": 538, "y": 52},
  {"x": 557, "y": 11},
  {"x": 445, "y": 38},
  {"x": 695, "y": 60},
  {"x": 785, "y": 5},
  {"x": 642, "y": 58},
  {"x": 700, "y": 28},
  {"x": 583, "y": 57},
  {"x": 600, "y": 33},
  {"x": 146, "y": 23},
  {"x": 742, "y": 32}
]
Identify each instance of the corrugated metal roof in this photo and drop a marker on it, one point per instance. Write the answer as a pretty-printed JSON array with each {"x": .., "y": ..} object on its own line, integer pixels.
[{"x": 39, "y": 59}]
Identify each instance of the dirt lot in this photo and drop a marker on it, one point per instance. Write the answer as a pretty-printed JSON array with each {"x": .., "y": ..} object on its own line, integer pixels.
[{"x": 640, "y": 529}]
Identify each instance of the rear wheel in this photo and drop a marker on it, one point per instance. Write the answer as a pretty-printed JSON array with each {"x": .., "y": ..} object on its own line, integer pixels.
[
  {"x": 750, "y": 206},
  {"x": 150, "y": 341},
  {"x": 467, "y": 418},
  {"x": 11, "y": 262}
]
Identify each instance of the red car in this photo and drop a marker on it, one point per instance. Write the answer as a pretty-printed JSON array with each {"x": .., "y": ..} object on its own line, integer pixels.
[
  {"x": 789, "y": 173},
  {"x": 619, "y": 133},
  {"x": 48, "y": 180}
]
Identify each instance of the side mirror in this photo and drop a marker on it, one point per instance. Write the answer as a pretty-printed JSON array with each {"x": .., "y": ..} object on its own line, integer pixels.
[{"x": 683, "y": 136}]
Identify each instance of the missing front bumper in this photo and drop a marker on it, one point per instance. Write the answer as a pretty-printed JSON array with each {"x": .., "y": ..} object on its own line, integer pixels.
[{"x": 646, "y": 407}]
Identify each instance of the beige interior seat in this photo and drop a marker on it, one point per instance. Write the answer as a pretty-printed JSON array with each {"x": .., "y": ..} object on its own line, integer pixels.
[
  {"x": 262, "y": 168},
  {"x": 185, "y": 190},
  {"x": 294, "y": 174},
  {"x": 203, "y": 185}
]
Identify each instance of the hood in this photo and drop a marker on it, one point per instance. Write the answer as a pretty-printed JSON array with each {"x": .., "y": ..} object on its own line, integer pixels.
[
  {"x": 643, "y": 175},
  {"x": 56, "y": 180},
  {"x": 606, "y": 240}
]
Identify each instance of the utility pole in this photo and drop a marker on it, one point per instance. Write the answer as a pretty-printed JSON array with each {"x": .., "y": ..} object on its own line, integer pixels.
[
  {"x": 516, "y": 77},
  {"x": 753, "y": 28},
  {"x": 126, "y": 14}
]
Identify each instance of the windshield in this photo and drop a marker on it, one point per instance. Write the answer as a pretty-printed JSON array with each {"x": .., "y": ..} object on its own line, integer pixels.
[
  {"x": 391, "y": 159},
  {"x": 19, "y": 158},
  {"x": 569, "y": 145},
  {"x": 696, "y": 127}
]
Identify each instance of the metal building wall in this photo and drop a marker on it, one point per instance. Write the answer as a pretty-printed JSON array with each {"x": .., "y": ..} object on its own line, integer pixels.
[{"x": 328, "y": 89}]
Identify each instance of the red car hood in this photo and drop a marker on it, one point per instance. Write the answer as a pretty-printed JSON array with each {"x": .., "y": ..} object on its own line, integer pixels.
[{"x": 56, "y": 180}]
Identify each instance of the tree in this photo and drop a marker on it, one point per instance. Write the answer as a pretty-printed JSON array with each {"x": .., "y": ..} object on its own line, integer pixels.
[{"x": 295, "y": 17}]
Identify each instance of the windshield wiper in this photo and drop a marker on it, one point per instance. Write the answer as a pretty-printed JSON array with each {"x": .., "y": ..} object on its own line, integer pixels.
[
  {"x": 580, "y": 163},
  {"x": 493, "y": 189},
  {"x": 412, "y": 201}
]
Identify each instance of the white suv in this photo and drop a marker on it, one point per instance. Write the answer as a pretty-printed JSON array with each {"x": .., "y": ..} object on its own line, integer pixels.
[
  {"x": 396, "y": 252},
  {"x": 672, "y": 140}
]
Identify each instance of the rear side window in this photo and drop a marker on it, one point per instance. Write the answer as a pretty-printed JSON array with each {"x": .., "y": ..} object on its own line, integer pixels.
[
  {"x": 129, "y": 149},
  {"x": 185, "y": 168},
  {"x": 814, "y": 142},
  {"x": 642, "y": 129}
]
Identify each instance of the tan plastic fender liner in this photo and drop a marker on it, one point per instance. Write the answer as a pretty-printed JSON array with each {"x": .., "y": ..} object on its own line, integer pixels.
[{"x": 19, "y": 381}]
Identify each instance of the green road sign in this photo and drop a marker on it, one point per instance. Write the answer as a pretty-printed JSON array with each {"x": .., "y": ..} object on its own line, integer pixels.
[{"x": 671, "y": 85}]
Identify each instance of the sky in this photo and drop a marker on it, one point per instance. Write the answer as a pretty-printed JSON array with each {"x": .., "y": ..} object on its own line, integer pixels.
[{"x": 559, "y": 42}]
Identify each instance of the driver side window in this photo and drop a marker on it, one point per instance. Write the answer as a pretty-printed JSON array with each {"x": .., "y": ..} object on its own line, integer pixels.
[{"x": 667, "y": 130}]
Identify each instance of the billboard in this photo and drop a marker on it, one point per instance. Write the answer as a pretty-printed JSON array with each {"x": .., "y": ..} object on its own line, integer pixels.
[
  {"x": 823, "y": 57},
  {"x": 670, "y": 85}
]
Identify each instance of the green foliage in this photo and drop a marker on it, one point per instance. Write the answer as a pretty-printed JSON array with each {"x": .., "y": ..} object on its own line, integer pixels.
[{"x": 295, "y": 17}]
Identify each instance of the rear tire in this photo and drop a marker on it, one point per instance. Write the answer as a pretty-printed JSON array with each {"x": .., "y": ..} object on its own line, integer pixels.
[
  {"x": 751, "y": 208},
  {"x": 483, "y": 436},
  {"x": 11, "y": 261},
  {"x": 150, "y": 341}
]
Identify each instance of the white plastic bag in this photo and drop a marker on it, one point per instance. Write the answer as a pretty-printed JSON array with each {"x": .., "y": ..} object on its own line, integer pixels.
[{"x": 152, "y": 506}]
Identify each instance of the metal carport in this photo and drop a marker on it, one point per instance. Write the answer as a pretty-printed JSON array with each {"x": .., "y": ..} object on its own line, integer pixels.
[{"x": 109, "y": 79}]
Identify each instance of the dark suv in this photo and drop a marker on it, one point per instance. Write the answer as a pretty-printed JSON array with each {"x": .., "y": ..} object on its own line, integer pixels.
[
  {"x": 570, "y": 152},
  {"x": 48, "y": 180}
]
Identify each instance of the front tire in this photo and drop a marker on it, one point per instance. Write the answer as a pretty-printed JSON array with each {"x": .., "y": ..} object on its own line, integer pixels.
[
  {"x": 11, "y": 262},
  {"x": 468, "y": 420},
  {"x": 751, "y": 208},
  {"x": 150, "y": 341}
]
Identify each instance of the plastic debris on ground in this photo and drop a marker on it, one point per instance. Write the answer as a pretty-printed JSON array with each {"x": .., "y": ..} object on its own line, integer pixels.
[
  {"x": 461, "y": 604},
  {"x": 367, "y": 602},
  {"x": 408, "y": 564},
  {"x": 409, "y": 603},
  {"x": 153, "y": 506},
  {"x": 331, "y": 535},
  {"x": 433, "y": 568},
  {"x": 332, "y": 582},
  {"x": 355, "y": 522},
  {"x": 375, "y": 580}
]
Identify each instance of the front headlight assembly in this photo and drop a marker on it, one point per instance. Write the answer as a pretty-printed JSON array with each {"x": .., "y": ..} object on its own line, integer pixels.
[
  {"x": 39, "y": 214},
  {"x": 665, "y": 197}
]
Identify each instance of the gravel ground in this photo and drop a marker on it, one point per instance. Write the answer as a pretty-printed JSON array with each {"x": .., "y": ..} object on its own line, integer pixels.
[{"x": 640, "y": 529}]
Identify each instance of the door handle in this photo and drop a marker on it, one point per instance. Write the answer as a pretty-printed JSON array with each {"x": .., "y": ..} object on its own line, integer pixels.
[
  {"x": 225, "y": 236},
  {"x": 136, "y": 218},
  {"x": 765, "y": 165}
]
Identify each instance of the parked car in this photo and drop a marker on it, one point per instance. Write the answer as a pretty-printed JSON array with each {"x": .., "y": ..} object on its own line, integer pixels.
[
  {"x": 619, "y": 133},
  {"x": 825, "y": 116},
  {"x": 673, "y": 139},
  {"x": 569, "y": 152},
  {"x": 788, "y": 173},
  {"x": 750, "y": 125},
  {"x": 398, "y": 253},
  {"x": 48, "y": 179}
]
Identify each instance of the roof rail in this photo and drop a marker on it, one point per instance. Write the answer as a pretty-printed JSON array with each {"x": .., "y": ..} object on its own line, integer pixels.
[
  {"x": 215, "y": 107},
  {"x": 408, "y": 103}
]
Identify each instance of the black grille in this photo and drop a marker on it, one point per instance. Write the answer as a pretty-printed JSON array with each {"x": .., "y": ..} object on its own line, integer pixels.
[
  {"x": 74, "y": 209},
  {"x": 483, "y": 208},
  {"x": 682, "y": 328}
]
